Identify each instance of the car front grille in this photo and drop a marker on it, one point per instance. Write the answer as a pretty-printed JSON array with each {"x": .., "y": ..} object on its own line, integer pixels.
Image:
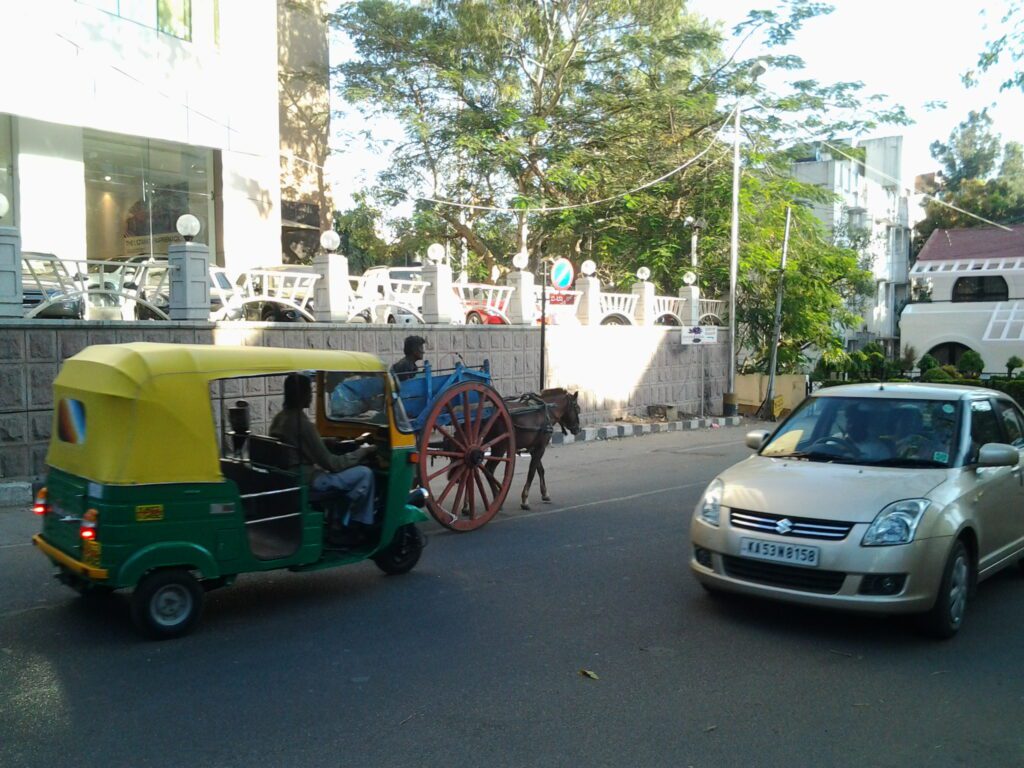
[
  {"x": 801, "y": 527},
  {"x": 788, "y": 576}
]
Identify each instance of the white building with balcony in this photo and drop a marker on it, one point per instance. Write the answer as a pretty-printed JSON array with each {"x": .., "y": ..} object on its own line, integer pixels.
[
  {"x": 872, "y": 210},
  {"x": 118, "y": 116},
  {"x": 968, "y": 293}
]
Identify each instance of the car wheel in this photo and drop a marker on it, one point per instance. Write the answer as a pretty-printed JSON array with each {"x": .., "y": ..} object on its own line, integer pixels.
[
  {"x": 167, "y": 604},
  {"x": 473, "y": 319},
  {"x": 404, "y": 551},
  {"x": 947, "y": 615}
]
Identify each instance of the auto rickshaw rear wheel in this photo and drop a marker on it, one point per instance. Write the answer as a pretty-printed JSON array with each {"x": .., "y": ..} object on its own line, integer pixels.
[
  {"x": 402, "y": 554},
  {"x": 167, "y": 603}
]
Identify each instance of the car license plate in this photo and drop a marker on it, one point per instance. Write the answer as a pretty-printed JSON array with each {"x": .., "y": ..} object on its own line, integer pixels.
[{"x": 779, "y": 553}]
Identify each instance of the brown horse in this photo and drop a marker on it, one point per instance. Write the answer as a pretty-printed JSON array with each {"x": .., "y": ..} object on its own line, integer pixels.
[{"x": 534, "y": 418}]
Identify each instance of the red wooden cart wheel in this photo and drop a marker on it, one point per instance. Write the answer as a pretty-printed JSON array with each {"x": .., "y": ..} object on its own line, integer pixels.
[{"x": 467, "y": 456}]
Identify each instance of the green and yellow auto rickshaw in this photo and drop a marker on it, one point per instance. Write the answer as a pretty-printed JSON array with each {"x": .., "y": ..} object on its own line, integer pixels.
[{"x": 160, "y": 482}]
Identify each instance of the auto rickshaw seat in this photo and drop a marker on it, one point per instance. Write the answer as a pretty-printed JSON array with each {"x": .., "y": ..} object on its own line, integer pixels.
[{"x": 270, "y": 452}]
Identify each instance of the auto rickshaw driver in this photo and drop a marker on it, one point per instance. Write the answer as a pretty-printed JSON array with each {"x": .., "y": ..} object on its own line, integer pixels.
[{"x": 327, "y": 472}]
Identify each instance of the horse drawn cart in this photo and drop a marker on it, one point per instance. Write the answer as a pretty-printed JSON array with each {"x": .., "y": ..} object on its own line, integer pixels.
[{"x": 466, "y": 438}]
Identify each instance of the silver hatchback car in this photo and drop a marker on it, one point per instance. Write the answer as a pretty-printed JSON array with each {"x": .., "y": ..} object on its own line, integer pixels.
[{"x": 893, "y": 498}]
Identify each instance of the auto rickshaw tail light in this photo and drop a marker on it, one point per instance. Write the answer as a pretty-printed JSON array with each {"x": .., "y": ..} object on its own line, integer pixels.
[
  {"x": 414, "y": 458},
  {"x": 88, "y": 527},
  {"x": 39, "y": 506}
]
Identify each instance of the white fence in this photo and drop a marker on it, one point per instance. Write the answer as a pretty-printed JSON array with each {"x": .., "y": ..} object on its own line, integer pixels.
[{"x": 138, "y": 289}]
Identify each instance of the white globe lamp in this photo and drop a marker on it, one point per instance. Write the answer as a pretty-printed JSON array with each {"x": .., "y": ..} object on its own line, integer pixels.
[
  {"x": 643, "y": 273},
  {"x": 520, "y": 260},
  {"x": 188, "y": 226},
  {"x": 330, "y": 240},
  {"x": 689, "y": 278},
  {"x": 435, "y": 253},
  {"x": 588, "y": 267}
]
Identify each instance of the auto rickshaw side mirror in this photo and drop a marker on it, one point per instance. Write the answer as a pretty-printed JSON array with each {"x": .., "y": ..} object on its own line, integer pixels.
[
  {"x": 756, "y": 438},
  {"x": 998, "y": 455}
]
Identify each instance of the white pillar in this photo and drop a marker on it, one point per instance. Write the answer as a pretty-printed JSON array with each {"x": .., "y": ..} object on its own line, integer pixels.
[
  {"x": 189, "y": 267},
  {"x": 438, "y": 299},
  {"x": 589, "y": 310},
  {"x": 644, "y": 291},
  {"x": 522, "y": 308},
  {"x": 333, "y": 289},
  {"x": 690, "y": 313},
  {"x": 10, "y": 273}
]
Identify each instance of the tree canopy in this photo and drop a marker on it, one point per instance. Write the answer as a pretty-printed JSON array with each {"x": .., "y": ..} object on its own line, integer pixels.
[
  {"x": 526, "y": 113},
  {"x": 980, "y": 175}
]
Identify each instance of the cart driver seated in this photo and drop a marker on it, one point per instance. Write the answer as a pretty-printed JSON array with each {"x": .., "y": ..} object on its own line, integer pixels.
[{"x": 324, "y": 471}]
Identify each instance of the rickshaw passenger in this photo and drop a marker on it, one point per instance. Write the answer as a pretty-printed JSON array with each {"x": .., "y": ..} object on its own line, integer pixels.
[{"x": 323, "y": 470}]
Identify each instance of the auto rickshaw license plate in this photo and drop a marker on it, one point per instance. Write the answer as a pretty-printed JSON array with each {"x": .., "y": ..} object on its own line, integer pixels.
[{"x": 146, "y": 512}]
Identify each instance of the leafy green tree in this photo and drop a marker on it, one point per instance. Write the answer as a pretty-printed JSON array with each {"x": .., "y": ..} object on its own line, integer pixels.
[
  {"x": 555, "y": 105},
  {"x": 935, "y": 374},
  {"x": 970, "y": 153},
  {"x": 1013, "y": 364},
  {"x": 1009, "y": 45},
  {"x": 926, "y": 363},
  {"x": 970, "y": 160},
  {"x": 971, "y": 364}
]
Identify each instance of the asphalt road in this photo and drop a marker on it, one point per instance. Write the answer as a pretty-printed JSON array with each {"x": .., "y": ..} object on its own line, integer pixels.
[{"x": 475, "y": 658}]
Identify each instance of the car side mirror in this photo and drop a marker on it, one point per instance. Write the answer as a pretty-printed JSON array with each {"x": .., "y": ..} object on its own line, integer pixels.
[
  {"x": 756, "y": 438},
  {"x": 998, "y": 455}
]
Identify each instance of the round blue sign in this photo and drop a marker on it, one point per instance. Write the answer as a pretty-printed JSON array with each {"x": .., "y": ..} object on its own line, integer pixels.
[{"x": 562, "y": 273}]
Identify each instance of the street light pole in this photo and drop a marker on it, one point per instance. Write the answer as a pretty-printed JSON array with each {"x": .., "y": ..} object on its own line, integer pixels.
[{"x": 729, "y": 401}]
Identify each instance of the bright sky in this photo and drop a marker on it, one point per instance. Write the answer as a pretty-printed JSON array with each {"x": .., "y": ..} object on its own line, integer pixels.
[{"x": 914, "y": 51}]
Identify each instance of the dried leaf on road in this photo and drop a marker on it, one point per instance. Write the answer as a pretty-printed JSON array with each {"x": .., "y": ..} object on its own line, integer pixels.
[
  {"x": 711, "y": 728},
  {"x": 588, "y": 673}
]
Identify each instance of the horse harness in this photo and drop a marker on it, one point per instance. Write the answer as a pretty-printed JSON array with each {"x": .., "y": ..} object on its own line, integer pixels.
[{"x": 534, "y": 404}]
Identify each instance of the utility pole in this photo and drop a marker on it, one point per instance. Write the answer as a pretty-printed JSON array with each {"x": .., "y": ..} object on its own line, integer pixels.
[{"x": 766, "y": 407}]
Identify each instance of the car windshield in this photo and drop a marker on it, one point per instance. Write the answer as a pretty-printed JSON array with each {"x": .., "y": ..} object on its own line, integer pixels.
[{"x": 871, "y": 431}]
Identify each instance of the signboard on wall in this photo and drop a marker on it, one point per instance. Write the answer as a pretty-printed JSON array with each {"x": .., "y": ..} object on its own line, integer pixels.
[
  {"x": 700, "y": 334},
  {"x": 137, "y": 245}
]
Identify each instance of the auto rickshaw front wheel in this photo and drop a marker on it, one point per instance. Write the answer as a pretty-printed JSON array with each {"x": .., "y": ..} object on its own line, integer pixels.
[
  {"x": 167, "y": 604},
  {"x": 404, "y": 551}
]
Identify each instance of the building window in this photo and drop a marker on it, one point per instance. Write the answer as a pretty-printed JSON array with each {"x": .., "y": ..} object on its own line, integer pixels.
[
  {"x": 987, "y": 288},
  {"x": 137, "y": 188},
  {"x": 6, "y": 171},
  {"x": 172, "y": 17}
]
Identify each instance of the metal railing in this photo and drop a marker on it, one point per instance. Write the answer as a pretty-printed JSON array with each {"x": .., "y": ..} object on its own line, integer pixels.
[
  {"x": 274, "y": 291},
  {"x": 93, "y": 289},
  {"x": 709, "y": 309},
  {"x": 618, "y": 305},
  {"x": 491, "y": 299},
  {"x": 374, "y": 300},
  {"x": 668, "y": 306}
]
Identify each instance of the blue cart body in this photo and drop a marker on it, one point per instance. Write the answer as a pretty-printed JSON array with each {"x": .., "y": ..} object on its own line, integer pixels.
[{"x": 420, "y": 393}]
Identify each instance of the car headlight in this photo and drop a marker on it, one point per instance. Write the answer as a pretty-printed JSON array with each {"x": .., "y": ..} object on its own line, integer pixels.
[
  {"x": 896, "y": 524},
  {"x": 710, "y": 507}
]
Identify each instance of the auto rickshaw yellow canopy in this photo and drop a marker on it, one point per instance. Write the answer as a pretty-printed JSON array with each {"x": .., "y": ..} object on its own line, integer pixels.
[{"x": 142, "y": 413}]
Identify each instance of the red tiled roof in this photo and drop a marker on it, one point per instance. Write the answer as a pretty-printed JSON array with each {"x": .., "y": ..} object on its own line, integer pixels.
[{"x": 973, "y": 243}]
